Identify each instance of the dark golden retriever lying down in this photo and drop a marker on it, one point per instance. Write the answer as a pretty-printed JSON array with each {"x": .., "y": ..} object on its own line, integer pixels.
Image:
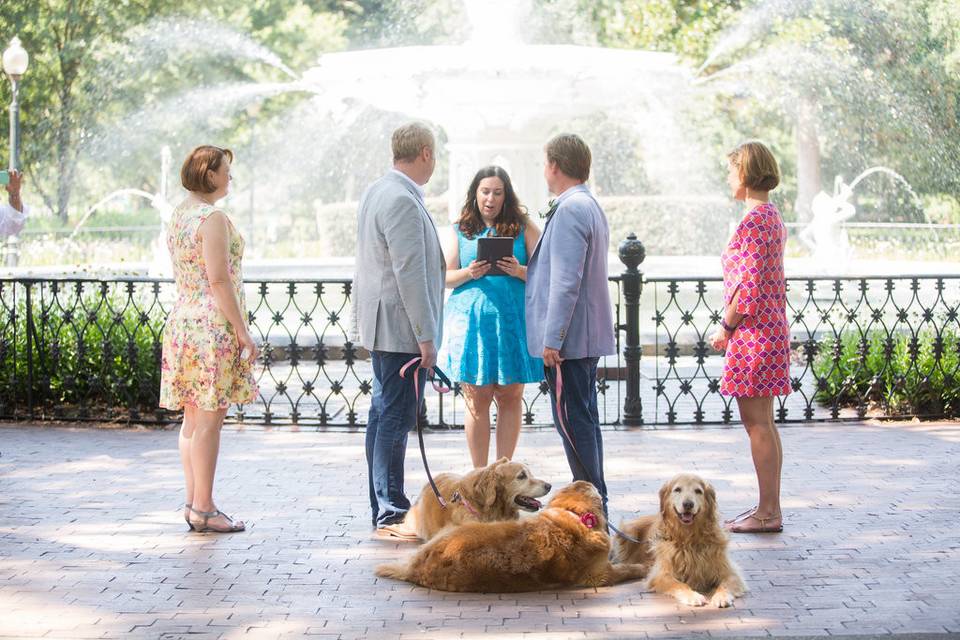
[
  {"x": 495, "y": 492},
  {"x": 684, "y": 546},
  {"x": 565, "y": 545}
]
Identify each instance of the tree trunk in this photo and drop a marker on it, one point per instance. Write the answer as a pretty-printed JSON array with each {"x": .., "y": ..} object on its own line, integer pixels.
[{"x": 808, "y": 159}]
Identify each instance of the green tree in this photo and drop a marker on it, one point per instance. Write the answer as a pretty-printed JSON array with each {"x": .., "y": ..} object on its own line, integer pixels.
[{"x": 60, "y": 102}]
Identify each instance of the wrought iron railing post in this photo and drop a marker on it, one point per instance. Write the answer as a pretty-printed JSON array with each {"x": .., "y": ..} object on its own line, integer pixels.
[
  {"x": 632, "y": 254},
  {"x": 31, "y": 330}
]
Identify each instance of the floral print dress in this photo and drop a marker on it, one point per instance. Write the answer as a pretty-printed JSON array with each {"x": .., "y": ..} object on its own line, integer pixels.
[
  {"x": 757, "y": 360},
  {"x": 201, "y": 363}
]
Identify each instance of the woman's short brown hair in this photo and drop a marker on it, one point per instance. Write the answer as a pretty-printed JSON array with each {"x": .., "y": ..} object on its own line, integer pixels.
[
  {"x": 756, "y": 165},
  {"x": 571, "y": 154},
  {"x": 193, "y": 173}
]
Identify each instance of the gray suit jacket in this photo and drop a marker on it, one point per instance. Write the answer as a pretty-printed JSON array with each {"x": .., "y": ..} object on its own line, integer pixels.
[
  {"x": 568, "y": 300},
  {"x": 398, "y": 284}
]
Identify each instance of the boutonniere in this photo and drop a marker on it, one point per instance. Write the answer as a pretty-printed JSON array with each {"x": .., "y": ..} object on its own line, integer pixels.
[
  {"x": 589, "y": 520},
  {"x": 551, "y": 209}
]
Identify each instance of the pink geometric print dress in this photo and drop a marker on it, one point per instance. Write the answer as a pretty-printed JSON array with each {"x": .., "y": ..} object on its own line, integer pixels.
[
  {"x": 201, "y": 360},
  {"x": 757, "y": 362}
]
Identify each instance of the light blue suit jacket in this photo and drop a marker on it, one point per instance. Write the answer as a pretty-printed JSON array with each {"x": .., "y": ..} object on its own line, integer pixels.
[
  {"x": 398, "y": 285},
  {"x": 568, "y": 300}
]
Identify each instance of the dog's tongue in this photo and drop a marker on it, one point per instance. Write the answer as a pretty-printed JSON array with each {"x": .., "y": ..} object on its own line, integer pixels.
[
  {"x": 529, "y": 502},
  {"x": 686, "y": 518}
]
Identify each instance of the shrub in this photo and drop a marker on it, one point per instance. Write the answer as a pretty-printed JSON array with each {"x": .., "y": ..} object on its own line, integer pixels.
[
  {"x": 905, "y": 373},
  {"x": 92, "y": 349}
]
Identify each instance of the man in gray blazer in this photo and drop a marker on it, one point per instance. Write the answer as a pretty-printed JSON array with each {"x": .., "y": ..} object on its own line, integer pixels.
[
  {"x": 397, "y": 310},
  {"x": 568, "y": 314}
]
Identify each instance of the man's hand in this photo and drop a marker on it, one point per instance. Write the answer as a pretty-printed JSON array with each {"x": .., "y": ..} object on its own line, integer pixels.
[
  {"x": 428, "y": 355},
  {"x": 13, "y": 190},
  {"x": 551, "y": 357}
]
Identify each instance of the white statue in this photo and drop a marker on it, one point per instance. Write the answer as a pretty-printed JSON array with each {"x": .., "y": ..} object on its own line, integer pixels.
[{"x": 825, "y": 235}]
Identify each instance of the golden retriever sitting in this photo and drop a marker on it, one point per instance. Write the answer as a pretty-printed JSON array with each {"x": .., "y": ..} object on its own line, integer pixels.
[
  {"x": 684, "y": 546},
  {"x": 565, "y": 545},
  {"x": 496, "y": 492}
]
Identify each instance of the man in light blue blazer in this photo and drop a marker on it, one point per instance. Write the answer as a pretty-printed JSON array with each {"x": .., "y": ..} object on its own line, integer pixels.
[
  {"x": 397, "y": 311},
  {"x": 568, "y": 314}
]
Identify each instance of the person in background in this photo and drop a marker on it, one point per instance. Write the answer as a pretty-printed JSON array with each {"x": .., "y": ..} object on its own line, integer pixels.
[{"x": 13, "y": 213}]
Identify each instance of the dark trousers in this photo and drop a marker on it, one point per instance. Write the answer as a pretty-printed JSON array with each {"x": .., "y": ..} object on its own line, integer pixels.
[
  {"x": 579, "y": 399},
  {"x": 393, "y": 412}
]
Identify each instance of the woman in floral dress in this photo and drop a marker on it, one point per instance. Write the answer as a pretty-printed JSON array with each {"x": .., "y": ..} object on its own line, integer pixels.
[
  {"x": 207, "y": 348},
  {"x": 754, "y": 332}
]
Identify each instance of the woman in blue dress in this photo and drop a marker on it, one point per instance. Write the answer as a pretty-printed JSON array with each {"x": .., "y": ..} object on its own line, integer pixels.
[{"x": 485, "y": 337}]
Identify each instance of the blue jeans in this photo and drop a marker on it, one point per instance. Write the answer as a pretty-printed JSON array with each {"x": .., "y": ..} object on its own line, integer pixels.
[
  {"x": 582, "y": 420},
  {"x": 393, "y": 412}
]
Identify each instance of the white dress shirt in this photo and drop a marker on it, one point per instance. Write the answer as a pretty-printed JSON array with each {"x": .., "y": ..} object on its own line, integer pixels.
[{"x": 11, "y": 220}]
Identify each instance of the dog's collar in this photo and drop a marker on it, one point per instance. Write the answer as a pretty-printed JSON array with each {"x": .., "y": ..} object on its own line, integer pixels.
[{"x": 458, "y": 497}]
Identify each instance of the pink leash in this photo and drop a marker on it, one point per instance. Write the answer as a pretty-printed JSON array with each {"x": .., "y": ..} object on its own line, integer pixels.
[
  {"x": 439, "y": 388},
  {"x": 561, "y": 415}
]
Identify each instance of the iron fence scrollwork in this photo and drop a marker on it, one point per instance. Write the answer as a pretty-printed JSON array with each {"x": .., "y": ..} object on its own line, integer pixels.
[{"x": 887, "y": 346}]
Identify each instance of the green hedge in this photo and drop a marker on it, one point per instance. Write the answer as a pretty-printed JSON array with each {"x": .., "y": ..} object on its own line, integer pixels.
[
  {"x": 98, "y": 351},
  {"x": 906, "y": 374}
]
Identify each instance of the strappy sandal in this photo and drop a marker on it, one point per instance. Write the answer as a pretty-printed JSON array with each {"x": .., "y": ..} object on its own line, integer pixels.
[
  {"x": 738, "y": 527},
  {"x": 205, "y": 526},
  {"x": 186, "y": 514},
  {"x": 749, "y": 512}
]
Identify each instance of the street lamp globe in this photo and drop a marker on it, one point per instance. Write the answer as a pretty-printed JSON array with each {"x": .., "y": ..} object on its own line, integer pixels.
[{"x": 15, "y": 59}]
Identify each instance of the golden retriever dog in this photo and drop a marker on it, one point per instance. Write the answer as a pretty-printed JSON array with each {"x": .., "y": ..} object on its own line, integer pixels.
[
  {"x": 684, "y": 546},
  {"x": 496, "y": 492},
  {"x": 565, "y": 545}
]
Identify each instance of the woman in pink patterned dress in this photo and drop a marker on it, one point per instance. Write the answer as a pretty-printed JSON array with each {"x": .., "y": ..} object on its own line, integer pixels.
[
  {"x": 754, "y": 331},
  {"x": 207, "y": 348}
]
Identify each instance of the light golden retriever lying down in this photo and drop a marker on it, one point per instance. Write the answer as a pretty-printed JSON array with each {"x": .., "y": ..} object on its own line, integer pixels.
[
  {"x": 684, "y": 546},
  {"x": 496, "y": 492},
  {"x": 565, "y": 545}
]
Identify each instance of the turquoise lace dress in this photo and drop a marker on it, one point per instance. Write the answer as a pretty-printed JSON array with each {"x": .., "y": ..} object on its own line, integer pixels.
[{"x": 484, "y": 331}]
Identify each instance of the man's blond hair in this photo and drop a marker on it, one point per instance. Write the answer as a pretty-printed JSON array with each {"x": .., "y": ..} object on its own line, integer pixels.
[{"x": 410, "y": 139}]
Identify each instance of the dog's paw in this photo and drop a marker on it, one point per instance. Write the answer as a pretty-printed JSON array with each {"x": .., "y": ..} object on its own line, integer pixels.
[
  {"x": 721, "y": 599},
  {"x": 690, "y": 598}
]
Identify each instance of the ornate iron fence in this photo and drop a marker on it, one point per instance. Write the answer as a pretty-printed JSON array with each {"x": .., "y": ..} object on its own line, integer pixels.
[{"x": 89, "y": 349}]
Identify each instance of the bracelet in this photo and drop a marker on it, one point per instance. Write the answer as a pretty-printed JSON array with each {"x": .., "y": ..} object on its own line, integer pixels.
[{"x": 726, "y": 327}]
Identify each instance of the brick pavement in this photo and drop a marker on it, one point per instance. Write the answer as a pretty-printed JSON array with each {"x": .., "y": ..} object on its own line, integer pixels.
[{"x": 91, "y": 545}]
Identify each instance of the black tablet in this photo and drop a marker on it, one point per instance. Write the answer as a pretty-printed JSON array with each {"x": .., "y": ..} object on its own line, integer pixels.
[{"x": 492, "y": 249}]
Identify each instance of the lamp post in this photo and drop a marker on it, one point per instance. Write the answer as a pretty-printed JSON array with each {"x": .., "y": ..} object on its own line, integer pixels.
[{"x": 15, "y": 61}]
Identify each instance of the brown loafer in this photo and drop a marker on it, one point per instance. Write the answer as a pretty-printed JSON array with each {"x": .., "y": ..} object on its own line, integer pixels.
[{"x": 395, "y": 533}]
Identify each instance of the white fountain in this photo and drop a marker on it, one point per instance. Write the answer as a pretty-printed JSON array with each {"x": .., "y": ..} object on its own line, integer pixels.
[{"x": 498, "y": 99}]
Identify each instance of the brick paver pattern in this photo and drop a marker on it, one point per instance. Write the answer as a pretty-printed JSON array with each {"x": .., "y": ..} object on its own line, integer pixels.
[{"x": 92, "y": 544}]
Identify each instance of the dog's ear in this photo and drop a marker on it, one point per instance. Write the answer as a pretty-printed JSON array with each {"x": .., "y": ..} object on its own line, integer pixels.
[
  {"x": 710, "y": 494},
  {"x": 482, "y": 488},
  {"x": 664, "y": 492}
]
